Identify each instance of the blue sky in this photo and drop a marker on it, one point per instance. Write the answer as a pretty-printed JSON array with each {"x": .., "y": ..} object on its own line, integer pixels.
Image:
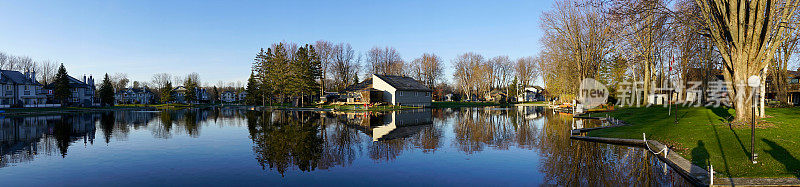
[{"x": 219, "y": 39}]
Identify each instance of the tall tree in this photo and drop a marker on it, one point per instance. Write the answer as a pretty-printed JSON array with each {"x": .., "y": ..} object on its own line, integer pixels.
[
  {"x": 166, "y": 92},
  {"x": 253, "y": 95},
  {"x": 61, "y": 90},
  {"x": 386, "y": 61},
  {"x": 747, "y": 34},
  {"x": 106, "y": 92},
  {"x": 428, "y": 69},
  {"x": 192, "y": 86}
]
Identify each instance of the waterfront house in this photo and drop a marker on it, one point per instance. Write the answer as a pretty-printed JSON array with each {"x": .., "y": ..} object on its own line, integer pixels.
[
  {"x": 395, "y": 90},
  {"x": 133, "y": 96},
  {"x": 530, "y": 94},
  {"x": 20, "y": 90},
  {"x": 179, "y": 95},
  {"x": 228, "y": 96},
  {"x": 83, "y": 92},
  {"x": 242, "y": 95}
]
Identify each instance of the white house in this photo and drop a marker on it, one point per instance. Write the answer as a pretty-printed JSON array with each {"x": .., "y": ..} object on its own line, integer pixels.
[
  {"x": 402, "y": 91},
  {"x": 20, "y": 89},
  {"x": 228, "y": 97}
]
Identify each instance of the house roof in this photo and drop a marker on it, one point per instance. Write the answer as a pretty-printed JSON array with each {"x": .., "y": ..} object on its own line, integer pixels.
[
  {"x": 794, "y": 73},
  {"x": 134, "y": 90},
  {"x": 16, "y": 77},
  {"x": 73, "y": 83},
  {"x": 359, "y": 86},
  {"x": 403, "y": 83}
]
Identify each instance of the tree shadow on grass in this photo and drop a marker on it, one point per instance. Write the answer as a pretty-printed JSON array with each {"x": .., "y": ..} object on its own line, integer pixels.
[
  {"x": 741, "y": 145},
  {"x": 721, "y": 152},
  {"x": 722, "y": 112},
  {"x": 783, "y": 156}
]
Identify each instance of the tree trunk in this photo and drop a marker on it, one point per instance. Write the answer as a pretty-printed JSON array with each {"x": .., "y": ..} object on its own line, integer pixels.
[{"x": 739, "y": 92}]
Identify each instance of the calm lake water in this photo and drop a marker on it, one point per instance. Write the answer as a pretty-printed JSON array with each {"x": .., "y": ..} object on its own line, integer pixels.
[{"x": 233, "y": 147}]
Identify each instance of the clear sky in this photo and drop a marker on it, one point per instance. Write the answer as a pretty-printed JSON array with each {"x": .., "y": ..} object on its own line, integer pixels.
[{"x": 219, "y": 39}]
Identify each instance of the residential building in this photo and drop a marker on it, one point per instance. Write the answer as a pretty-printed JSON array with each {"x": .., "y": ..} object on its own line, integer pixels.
[
  {"x": 242, "y": 95},
  {"x": 179, "y": 95},
  {"x": 83, "y": 92},
  {"x": 792, "y": 87},
  {"x": 395, "y": 90},
  {"x": 133, "y": 96},
  {"x": 530, "y": 94},
  {"x": 228, "y": 97},
  {"x": 20, "y": 89}
]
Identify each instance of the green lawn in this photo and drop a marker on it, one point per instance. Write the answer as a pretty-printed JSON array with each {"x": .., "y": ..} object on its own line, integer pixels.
[{"x": 703, "y": 135}]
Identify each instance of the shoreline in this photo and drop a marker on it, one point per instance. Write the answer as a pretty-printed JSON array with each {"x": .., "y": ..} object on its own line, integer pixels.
[
  {"x": 16, "y": 112},
  {"x": 693, "y": 173}
]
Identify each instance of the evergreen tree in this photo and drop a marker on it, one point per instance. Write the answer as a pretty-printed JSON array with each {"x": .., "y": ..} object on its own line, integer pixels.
[
  {"x": 61, "y": 91},
  {"x": 261, "y": 68},
  {"x": 106, "y": 92},
  {"x": 513, "y": 89},
  {"x": 253, "y": 95},
  {"x": 166, "y": 93},
  {"x": 191, "y": 90},
  {"x": 215, "y": 96}
]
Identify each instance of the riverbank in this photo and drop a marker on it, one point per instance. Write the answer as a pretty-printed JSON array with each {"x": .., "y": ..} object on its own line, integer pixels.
[
  {"x": 457, "y": 104},
  {"x": 704, "y": 136},
  {"x": 72, "y": 110},
  {"x": 382, "y": 108}
]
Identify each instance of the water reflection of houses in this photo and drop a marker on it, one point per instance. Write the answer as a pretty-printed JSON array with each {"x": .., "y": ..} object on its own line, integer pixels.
[
  {"x": 21, "y": 138},
  {"x": 390, "y": 125}
]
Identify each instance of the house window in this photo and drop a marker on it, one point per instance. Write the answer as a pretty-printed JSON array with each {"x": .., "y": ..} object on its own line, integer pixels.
[
  {"x": 399, "y": 93},
  {"x": 427, "y": 94}
]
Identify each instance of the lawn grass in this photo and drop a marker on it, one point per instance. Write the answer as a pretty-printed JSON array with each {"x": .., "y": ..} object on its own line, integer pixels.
[
  {"x": 704, "y": 135},
  {"x": 456, "y": 104}
]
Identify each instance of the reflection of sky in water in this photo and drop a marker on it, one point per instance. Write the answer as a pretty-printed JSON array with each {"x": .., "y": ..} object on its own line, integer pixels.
[{"x": 467, "y": 146}]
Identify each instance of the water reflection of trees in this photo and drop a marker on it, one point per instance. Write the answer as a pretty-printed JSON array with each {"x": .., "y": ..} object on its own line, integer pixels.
[
  {"x": 286, "y": 139},
  {"x": 475, "y": 129},
  {"x": 567, "y": 162}
]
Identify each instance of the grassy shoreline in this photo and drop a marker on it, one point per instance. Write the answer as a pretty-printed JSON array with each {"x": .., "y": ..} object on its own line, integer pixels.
[
  {"x": 705, "y": 136},
  {"x": 68, "y": 110}
]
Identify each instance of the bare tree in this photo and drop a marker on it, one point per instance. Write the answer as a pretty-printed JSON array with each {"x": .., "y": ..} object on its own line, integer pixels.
[
  {"x": 324, "y": 50},
  {"x": 47, "y": 71},
  {"x": 385, "y": 61},
  {"x": 344, "y": 67},
  {"x": 428, "y": 68},
  {"x": 119, "y": 81},
  {"x": 4, "y": 58},
  {"x": 526, "y": 70},
  {"x": 160, "y": 80},
  {"x": 467, "y": 72},
  {"x": 747, "y": 50}
]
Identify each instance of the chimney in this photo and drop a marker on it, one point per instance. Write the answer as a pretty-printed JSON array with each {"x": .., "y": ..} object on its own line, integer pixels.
[
  {"x": 84, "y": 78},
  {"x": 33, "y": 75}
]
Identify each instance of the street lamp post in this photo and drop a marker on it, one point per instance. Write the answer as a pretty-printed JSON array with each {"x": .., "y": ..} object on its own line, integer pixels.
[{"x": 754, "y": 82}]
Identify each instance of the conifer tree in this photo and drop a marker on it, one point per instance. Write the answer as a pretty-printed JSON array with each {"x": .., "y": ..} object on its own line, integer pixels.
[
  {"x": 61, "y": 91},
  {"x": 166, "y": 93},
  {"x": 106, "y": 92},
  {"x": 191, "y": 89},
  {"x": 253, "y": 95}
]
